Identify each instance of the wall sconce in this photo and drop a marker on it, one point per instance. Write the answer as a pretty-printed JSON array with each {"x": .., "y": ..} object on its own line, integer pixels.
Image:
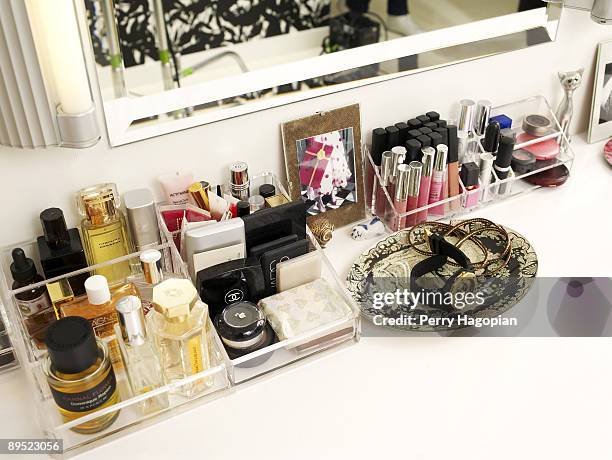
[{"x": 43, "y": 69}]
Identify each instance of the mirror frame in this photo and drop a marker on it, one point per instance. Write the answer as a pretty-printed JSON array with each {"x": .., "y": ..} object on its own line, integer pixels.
[{"x": 121, "y": 113}]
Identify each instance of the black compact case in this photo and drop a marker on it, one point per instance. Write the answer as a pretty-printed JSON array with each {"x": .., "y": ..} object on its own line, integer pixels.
[
  {"x": 234, "y": 281},
  {"x": 271, "y": 224},
  {"x": 272, "y": 258}
]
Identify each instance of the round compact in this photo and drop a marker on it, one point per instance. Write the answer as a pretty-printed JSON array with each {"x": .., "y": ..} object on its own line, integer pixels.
[
  {"x": 243, "y": 329},
  {"x": 553, "y": 177},
  {"x": 523, "y": 161},
  {"x": 537, "y": 125}
]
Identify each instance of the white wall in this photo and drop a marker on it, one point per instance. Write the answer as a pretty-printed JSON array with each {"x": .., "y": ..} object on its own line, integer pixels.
[{"x": 33, "y": 180}]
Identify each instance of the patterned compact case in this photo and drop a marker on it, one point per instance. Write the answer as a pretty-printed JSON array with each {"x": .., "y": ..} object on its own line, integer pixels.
[{"x": 304, "y": 308}]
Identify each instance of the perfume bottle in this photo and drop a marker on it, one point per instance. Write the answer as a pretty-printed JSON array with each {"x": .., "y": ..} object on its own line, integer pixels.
[
  {"x": 98, "y": 307},
  {"x": 104, "y": 230},
  {"x": 139, "y": 357},
  {"x": 80, "y": 374},
  {"x": 34, "y": 304},
  {"x": 179, "y": 324},
  {"x": 60, "y": 249},
  {"x": 150, "y": 274}
]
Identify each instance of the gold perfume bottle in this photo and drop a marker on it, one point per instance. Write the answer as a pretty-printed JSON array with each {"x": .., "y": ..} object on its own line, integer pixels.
[
  {"x": 179, "y": 324},
  {"x": 80, "y": 374},
  {"x": 105, "y": 235},
  {"x": 98, "y": 307}
]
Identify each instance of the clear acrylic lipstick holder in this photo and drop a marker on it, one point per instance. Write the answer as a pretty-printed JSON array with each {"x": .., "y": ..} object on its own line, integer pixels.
[
  {"x": 473, "y": 198},
  {"x": 220, "y": 379}
]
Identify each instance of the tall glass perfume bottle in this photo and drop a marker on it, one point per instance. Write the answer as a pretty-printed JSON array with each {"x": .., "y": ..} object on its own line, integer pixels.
[
  {"x": 98, "y": 307},
  {"x": 139, "y": 357},
  {"x": 60, "y": 249},
  {"x": 179, "y": 323},
  {"x": 34, "y": 304},
  {"x": 104, "y": 230},
  {"x": 80, "y": 374}
]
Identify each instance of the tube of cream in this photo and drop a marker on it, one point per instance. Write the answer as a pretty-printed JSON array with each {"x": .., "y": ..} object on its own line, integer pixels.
[{"x": 175, "y": 187}]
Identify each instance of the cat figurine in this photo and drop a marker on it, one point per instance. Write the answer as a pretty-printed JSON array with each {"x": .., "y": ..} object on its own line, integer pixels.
[{"x": 570, "y": 81}]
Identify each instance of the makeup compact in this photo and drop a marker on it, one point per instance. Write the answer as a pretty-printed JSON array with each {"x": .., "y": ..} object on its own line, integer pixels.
[
  {"x": 535, "y": 127},
  {"x": 553, "y": 177},
  {"x": 270, "y": 259},
  {"x": 234, "y": 281},
  {"x": 299, "y": 270},
  {"x": 243, "y": 329},
  {"x": 259, "y": 250},
  {"x": 523, "y": 161}
]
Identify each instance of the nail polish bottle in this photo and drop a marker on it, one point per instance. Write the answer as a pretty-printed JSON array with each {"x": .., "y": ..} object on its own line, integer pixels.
[
  {"x": 60, "y": 249},
  {"x": 400, "y": 201},
  {"x": 438, "y": 180},
  {"x": 386, "y": 168},
  {"x": 453, "y": 167},
  {"x": 469, "y": 177},
  {"x": 414, "y": 184},
  {"x": 429, "y": 155}
]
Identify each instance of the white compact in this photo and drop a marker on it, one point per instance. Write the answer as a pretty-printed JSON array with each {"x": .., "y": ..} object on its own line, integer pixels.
[{"x": 298, "y": 271}]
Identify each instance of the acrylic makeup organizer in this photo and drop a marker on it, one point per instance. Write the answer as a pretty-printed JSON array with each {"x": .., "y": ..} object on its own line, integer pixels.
[
  {"x": 8, "y": 357},
  {"x": 498, "y": 190},
  {"x": 219, "y": 380}
]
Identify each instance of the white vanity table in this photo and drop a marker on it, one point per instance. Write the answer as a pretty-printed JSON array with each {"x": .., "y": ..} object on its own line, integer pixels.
[{"x": 416, "y": 397}]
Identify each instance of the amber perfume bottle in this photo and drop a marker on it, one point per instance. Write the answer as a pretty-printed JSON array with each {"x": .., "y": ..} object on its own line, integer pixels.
[
  {"x": 179, "y": 324},
  {"x": 60, "y": 249},
  {"x": 34, "y": 304},
  {"x": 139, "y": 355},
  {"x": 98, "y": 307},
  {"x": 80, "y": 374},
  {"x": 104, "y": 230}
]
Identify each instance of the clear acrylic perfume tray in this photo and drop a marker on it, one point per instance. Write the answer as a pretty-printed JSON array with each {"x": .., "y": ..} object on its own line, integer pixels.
[
  {"x": 286, "y": 352},
  {"x": 380, "y": 201}
]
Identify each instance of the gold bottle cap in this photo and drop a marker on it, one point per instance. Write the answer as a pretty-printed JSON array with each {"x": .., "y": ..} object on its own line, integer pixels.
[
  {"x": 174, "y": 298},
  {"x": 99, "y": 203},
  {"x": 199, "y": 193}
]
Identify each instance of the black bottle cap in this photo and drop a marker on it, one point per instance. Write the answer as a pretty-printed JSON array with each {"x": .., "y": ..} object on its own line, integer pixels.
[
  {"x": 469, "y": 174},
  {"x": 71, "y": 344},
  {"x": 413, "y": 151},
  {"x": 403, "y": 132},
  {"x": 219, "y": 191},
  {"x": 243, "y": 208},
  {"x": 415, "y": 124},
  {"x": 431, "y": 125},
  {"x": 444, "y": 133},
  {"x": 414, "y": 133},
  {"x": 453, "y": 144},
  {"x": 54, "y": 227},
  {"x": 441, "y": 123},
  {"x": 424, "y": 140},
  {"x": 379, "y": 144},
  {"x": 492, "y": 137},
  {"x": 393, "y": 139},
  {"x": 240, "y": 322},
  {"x": 22, "y": 268},
  {"x": 436, "y": 139},
  {"x": 505, "y": 151},
  {"x": 267, "y": 190},
  {"x": 433, "y": 116},
  {"x": 425, "y": 130},
  {"x": 423, "y": 119}
]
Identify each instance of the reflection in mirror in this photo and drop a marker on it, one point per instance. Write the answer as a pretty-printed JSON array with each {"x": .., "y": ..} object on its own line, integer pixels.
[{"x": 144, "y": 47}]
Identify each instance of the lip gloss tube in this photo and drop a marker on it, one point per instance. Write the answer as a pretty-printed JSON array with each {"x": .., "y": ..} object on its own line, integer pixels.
[
  {"x": 414, "y": 185},
  {"x": 453, "y": 167},
  {"x": 398, "y": 154},
  {"x": 385, "y": 174},
  {"x": 438, "y": 179},
  {"x": 486, "y": 171},
  {"x": 401, "y": 196},
  {"x": 429, "y": 155}
]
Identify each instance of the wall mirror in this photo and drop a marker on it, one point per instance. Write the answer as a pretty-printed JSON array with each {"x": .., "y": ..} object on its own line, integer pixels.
[{"x": 167, "y": 65}]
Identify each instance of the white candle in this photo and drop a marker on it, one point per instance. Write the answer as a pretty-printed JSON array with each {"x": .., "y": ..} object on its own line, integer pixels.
[{"x": 59, "y": 45}]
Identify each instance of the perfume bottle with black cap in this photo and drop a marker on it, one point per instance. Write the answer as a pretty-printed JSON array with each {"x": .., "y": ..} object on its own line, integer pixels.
[{"x": 60, "y": 249}]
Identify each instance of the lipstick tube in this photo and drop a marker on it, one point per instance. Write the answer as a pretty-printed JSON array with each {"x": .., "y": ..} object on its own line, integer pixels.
[
  {"x": 483, "y": 113},
  {"x": 438, "y": 179},
  {"x": 466, "y": 116},
  {"x": 414, "y": 185},
  {"x": 453, "y": 167},
  {"x": 503, "y": 160},
  {"x": 401, "y": 196},
  {"x": 429, "y": 155},
  {"x": 398, "y": 155},
  {"x": 385, "y": 174}
]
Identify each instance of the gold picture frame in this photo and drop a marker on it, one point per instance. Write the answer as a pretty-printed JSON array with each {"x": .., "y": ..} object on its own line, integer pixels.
[{"x": 324, "y": 164}]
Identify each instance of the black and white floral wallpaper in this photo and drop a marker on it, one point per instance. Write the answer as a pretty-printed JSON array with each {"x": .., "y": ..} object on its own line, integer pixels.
[{"x": 196, "y": 25}]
